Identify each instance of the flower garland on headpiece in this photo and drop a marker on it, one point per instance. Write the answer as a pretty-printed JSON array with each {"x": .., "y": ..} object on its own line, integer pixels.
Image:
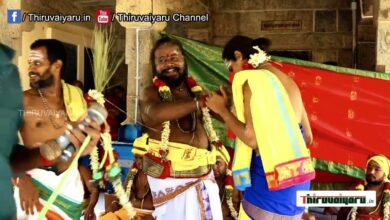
[
  {"x": 258, "y": 58},
  {"x": 254, "y": 62}
]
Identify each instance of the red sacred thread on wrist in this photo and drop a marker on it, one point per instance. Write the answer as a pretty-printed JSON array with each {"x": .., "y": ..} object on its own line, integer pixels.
[{"x": 45, "y": 162}]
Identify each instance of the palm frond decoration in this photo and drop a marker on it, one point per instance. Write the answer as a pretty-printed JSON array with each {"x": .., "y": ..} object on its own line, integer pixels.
[{"x": 105, "y": 62}]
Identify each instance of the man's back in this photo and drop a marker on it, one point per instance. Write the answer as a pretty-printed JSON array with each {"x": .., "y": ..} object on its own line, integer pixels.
[{"x": 10, "y": 106}]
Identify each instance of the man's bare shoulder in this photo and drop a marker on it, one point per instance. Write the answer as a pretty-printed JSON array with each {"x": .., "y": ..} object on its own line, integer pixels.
[
  {"x": 29, "y": 96},
  {"x": 287, "y": 81},
  {"x": 30, "y": 93},
  {"x": 149, "y": 92},
  {"x": 150, "y": 88}
]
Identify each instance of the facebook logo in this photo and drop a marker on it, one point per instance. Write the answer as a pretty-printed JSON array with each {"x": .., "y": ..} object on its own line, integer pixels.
[{"x": 14, "y": 16}]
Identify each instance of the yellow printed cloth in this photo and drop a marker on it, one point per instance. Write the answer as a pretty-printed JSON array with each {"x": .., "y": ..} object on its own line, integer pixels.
[
  {"x": 283, "y": 151},
  {"x": 182, "y": 156},
  {"x": 75, "y": 104}
]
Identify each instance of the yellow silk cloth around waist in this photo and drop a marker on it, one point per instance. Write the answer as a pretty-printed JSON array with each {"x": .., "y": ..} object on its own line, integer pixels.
[{"x": 182, "y": 156}]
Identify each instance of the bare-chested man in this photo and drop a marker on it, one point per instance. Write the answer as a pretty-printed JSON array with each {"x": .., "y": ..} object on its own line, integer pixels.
[
  {"x": 222, "y": 178},
  {"x": 179, "y": 173},
  {"x": 264, "y": 197},
  {"x": 49, "y": 108},
  {"x": 377, "y": 171}
]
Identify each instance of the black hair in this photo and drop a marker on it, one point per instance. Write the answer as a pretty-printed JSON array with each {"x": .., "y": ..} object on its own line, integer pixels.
[
  {"x": 55, "y": 51},
  {"x": 161, "y": 42},
  {"x": 263, "y": 43},
  {"x": 238, "y": 43}
]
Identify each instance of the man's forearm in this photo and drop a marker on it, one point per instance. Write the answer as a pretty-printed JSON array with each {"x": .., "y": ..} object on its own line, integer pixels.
[
  {"x": 238, "y": 128},
  {"x": 170, "y": 111},
  {"x": 94, "y": 198}
]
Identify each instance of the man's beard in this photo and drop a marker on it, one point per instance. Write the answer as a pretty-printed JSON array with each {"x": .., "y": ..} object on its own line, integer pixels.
[
  {"x": 42, "y": 83},
  {"x": 374, "y": 182},
  {"x": 173, "y": 82},
  {"x": 220, "y": 176}
]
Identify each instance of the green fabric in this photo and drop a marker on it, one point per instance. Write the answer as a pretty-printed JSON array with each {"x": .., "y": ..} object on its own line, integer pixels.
[
  {"x": 10, "y": 119},
  {"x": 331, "y": 186},
  {"x": 72, "y": 209},
  {"x": 205, "y": 64},
  {"x": 338, "y": 168}
]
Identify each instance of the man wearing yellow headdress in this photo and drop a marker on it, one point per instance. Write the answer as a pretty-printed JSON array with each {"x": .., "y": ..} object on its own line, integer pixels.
[{"x": 377, "y": 171}]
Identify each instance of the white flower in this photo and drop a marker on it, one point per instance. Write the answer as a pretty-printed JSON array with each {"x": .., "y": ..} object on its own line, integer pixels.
[
  {"x": 98, "y": 96},
  {"x": 258, "y": 58}
]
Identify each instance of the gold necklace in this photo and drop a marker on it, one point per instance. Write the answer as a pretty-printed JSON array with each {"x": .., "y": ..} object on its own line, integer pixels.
[
  {"x": 377, "y": 207},
  {"x": 193, "y": 117},
  {"x": 48, "y": 111}
]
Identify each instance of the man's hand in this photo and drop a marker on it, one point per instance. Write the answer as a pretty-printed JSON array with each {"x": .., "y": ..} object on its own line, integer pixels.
[
  {"x": 89, "y": 214},
  {"x": 217, "y": 102},
  {"x": 28, "y": 195},
  {"x": 77, "y": 133}
]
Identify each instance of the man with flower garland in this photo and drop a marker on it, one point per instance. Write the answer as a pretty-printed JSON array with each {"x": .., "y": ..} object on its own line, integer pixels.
[
  {"x": 230, "y": 197},
  {"x": 271, "y": 161},
  {"x": 377, "y": 171},
  {"x": 177, "y": 151}
]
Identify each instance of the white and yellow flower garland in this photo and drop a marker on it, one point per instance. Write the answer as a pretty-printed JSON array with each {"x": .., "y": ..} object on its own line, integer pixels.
[
  {"x": 166, "y": 95},
  {"x": 229, "y": 196},
  {"x": 386, "y": 202},
  {"x": 113, "y": 170}
]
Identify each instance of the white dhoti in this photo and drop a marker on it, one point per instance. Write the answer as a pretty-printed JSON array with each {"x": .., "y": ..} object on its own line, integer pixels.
[
  {"x": 186, "y": 198},
  {"x": 68, "y": 204}
]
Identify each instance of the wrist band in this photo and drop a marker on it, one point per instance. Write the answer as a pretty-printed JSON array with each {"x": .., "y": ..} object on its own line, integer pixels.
[{"x": 45, "y": 162}]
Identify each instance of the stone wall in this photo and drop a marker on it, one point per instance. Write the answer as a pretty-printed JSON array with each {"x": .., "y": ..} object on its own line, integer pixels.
[
  {"x": 9, "y": 34},
  {"x": 323, "y": 29},
  {"x": 382, "y": 21},
  {"x": 194, "y": 30}
]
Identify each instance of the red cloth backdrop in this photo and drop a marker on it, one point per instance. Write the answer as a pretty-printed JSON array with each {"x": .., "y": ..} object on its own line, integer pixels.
[{"x": 349, "y": 115}]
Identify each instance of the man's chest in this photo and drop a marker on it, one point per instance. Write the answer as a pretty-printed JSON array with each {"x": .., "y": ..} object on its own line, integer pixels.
[
  {"x": 41, "y": 124},
  {"x": 37, "y": 117}
]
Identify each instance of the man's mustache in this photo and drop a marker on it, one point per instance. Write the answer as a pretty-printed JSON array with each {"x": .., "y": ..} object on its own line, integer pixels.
[
  {"x": 33, "y": 73},
  {"x": 165, "y": 71}
]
